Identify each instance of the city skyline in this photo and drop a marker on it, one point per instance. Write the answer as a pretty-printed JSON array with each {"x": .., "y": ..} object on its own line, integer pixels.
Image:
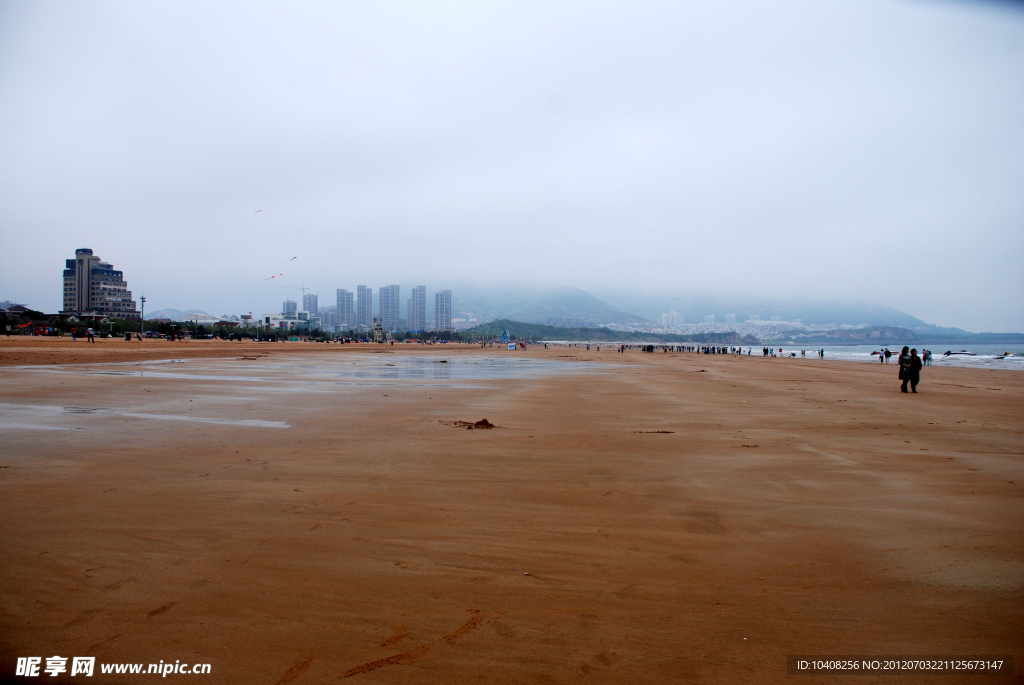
[
  {"x": 570, "y": 311},
  {"x": 88, "y": 279},
  {"x": 342, "y": 314}
]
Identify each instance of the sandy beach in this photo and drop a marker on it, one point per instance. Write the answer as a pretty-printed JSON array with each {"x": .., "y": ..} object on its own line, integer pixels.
[{"x": 300, "y": 512}]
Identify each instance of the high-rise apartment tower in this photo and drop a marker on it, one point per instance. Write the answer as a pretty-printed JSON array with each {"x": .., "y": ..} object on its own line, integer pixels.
[
  {"x": 418, "y": 309},
  {"x": 364, "y": 306},
  {"x": 346, "y": 309},
  {"x": 311, "y": 303},
  {"x": 443, "y": 310},
  {"x": 389, "y": 303}
]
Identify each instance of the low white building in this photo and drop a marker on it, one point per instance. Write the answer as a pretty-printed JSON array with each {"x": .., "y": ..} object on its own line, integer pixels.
[{"x": 300, "y": 320}]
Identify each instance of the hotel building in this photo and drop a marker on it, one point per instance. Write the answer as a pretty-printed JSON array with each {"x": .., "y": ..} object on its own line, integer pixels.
[{"x": 93, "y": 288}]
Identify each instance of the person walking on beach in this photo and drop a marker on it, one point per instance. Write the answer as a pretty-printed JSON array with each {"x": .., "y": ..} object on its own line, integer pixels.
[
  {"x": 887, "y": 355},
  {"x": 904, "y": 368},
  {"x": 914, "y": 372},
  {"x": 90, "y": 336}
]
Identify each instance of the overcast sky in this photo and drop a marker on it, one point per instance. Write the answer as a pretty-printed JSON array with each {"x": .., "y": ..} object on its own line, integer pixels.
[{"x": 859, "y": 150}]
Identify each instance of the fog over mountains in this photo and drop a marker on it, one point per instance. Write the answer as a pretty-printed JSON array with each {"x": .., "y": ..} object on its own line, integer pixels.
[
  {"x": 553, "y": 306},
  {"x": 575, "y": 307},
  {"x": 694, "y": 307}
]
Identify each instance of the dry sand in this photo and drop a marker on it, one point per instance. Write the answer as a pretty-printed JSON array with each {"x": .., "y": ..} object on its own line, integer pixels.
[{"x": 672, "y": 518}]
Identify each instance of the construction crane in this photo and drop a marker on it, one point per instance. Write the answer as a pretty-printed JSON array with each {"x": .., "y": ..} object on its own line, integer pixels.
[{"x": 296, "y": 287}]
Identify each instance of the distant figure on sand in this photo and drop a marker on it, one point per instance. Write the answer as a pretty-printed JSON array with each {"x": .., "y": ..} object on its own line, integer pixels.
[
  {"x": 887, "y": 355},
  {"x": 914, "y": 372},
  {"x": 90, "y": 336},
  {"x": 904, "y": 368}
]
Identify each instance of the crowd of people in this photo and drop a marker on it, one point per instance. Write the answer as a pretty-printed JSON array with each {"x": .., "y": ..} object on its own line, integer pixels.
[{"x": 909, "y": 361}]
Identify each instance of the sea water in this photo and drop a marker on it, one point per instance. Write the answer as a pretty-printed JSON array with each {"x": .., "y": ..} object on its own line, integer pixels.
[{"x": 985, "y": 356}]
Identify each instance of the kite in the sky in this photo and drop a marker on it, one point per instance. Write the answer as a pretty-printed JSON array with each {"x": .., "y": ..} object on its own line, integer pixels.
[
  {"x": 290, "y": 260},
  {"x": 257, "y": 211}
]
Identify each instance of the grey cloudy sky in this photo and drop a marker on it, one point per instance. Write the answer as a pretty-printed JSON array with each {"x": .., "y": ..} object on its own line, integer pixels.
[{"x": 861, "y": 150}]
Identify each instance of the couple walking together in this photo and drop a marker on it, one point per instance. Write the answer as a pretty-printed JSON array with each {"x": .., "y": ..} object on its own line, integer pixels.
[{"x": 910, "y": 369}]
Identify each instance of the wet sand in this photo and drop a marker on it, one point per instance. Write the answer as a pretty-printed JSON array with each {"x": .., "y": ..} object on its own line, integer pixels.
[{"x": 302, "y": 513}]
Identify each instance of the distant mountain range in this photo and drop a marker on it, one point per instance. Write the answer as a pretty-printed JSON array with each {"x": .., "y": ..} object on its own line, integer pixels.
[
  {"x": 695, "y": 307},
  {"x": 174, "y": 314},
  {"x": 569, "y": 307},
  {"x": 519, "y": 330}
]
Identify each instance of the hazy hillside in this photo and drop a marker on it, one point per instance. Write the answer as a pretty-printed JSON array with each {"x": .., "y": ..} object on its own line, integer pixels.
[
  {"x": 173, "y": 314},
  {"x": 533, "y": 331},
  {"x": 556, "y": 306},
  {"x": 576, "y": 307},
  {"x": 695, "y": 307}
]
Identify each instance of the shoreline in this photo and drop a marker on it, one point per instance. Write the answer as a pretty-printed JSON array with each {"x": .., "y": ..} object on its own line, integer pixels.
[{"x": 31, "y": 351}]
